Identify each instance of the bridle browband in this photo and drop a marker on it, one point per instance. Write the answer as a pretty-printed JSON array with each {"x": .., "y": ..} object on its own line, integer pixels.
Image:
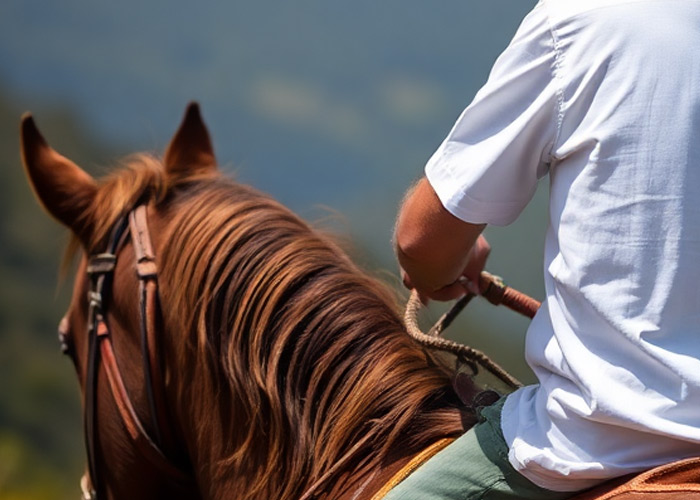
[{"x": 100, "y": 270}]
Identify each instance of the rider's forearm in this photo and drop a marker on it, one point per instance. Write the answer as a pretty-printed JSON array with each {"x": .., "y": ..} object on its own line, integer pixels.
[{"x": 431, "y": 244}]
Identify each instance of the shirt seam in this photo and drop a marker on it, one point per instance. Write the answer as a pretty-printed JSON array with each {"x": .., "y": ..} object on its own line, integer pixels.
[{"x": 556, "y": 75}]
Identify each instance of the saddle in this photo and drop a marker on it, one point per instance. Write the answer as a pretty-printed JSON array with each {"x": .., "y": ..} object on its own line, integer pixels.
[{"x": 675, "y": 481}]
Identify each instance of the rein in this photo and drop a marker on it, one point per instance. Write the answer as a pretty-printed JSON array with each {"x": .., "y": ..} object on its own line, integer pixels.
[
  {"x": 100, "y": 270},
  {"x": 495, "y": 291}
]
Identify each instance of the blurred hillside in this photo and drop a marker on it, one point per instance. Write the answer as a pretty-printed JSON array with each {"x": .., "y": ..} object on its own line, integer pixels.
[{"x": 319, "y": 103}]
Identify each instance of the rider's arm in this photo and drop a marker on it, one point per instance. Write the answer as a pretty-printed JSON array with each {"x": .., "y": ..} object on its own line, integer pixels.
[{"x": 435, "y": 248}]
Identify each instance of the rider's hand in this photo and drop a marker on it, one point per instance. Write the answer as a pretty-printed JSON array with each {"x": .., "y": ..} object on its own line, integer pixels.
[
  {"x": 477, "y": 261},
  {"x": 468, "y": 281}
]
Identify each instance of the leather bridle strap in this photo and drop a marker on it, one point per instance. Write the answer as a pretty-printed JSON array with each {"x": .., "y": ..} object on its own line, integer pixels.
[
  {"x": 147, "y": 271},
  {"x": 101, "y": 271}
]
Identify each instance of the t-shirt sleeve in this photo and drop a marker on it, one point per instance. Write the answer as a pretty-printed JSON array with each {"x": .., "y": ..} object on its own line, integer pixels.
[{"x": 487, "y": 169}]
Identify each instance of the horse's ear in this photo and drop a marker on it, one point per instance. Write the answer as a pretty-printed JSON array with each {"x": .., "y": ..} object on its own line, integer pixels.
[
  {"x": 190, "y": 151},
  {"x": 63, "y": 188}
]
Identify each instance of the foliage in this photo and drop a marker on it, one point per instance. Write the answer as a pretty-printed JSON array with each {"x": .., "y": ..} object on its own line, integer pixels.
[{"x": 26, "y": 475}]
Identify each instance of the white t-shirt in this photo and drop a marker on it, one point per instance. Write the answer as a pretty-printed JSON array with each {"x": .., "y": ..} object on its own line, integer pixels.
[{"x": 604, "y": 97}]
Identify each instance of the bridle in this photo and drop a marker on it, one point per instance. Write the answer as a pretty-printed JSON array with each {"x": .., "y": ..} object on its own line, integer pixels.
[{"x": 100, "y": 270}]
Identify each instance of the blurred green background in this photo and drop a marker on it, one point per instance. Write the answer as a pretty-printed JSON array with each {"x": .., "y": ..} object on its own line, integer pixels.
[{"x": 331, "y": 107}]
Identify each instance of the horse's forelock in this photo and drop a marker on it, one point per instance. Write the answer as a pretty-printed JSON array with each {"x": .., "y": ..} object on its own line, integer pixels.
[{"x": 142, "y": 176}]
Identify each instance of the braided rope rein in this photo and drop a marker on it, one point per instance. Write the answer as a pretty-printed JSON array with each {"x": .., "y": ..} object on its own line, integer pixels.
[{"x": 495, "y": 291}]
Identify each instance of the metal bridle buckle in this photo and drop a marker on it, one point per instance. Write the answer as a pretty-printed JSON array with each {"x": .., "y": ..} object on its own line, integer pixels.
[{"x": 101, "y": 263}]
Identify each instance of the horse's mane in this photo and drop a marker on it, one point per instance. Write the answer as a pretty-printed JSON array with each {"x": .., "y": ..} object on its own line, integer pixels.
[{"x": 293, "y": 354}]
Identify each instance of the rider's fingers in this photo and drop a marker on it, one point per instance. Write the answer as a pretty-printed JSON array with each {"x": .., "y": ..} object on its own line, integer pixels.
[{"x": 477, "y": 259}]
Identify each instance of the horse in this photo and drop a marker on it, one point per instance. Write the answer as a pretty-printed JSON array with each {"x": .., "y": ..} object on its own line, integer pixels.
[{"x": 223, "y": 346}]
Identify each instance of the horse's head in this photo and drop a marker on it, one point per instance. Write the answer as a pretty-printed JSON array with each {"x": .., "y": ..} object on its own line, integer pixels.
[
  {"x": 225, "y": 348},
  {"x": 93, "y": 211}
]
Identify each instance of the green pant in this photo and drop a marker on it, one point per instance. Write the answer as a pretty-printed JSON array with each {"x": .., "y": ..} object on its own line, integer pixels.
[{"x": 474, "y": 467}]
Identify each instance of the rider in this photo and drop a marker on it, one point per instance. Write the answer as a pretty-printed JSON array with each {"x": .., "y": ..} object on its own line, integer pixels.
[{"x": 603, "y": 96}]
